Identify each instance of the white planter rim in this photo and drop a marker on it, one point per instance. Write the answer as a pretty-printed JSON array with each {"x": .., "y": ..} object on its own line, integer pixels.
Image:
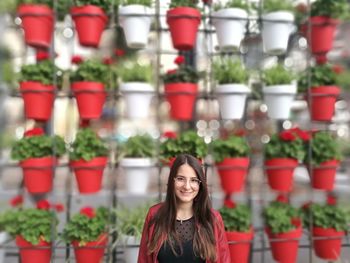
[
  {"x": 137, "y": 162},
  {"x": 234, "y": 13},
  {"x": 232, "y": 88},
  {"x": 136, "y": 87},
  {"x": 134, "y": 10},
  {"x": 278, "y": 16},
  {"x": 280, "y": 89}
]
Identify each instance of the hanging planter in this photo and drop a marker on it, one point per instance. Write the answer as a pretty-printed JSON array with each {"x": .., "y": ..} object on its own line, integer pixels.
[
  {"x": 136, "y": 22},
  {"x": 179, "y": 18},
  {"x": 280, "y": 173},
  {"x": 92, "y": 251},
  {"x": 230, "y": 24},
  {"x": 323, "y": 176},
  {"x": 132, "y": 247},
  {"x": 323, "y": 99},
  {"x": 90, "y": 21},
  {"x": 240, "y": 246},
  {"x": 328, "y": 248},
  {"x": 4, "y": 237},
  {"x": 29, "y": 253},
  {"x": 37, "y": 23}
]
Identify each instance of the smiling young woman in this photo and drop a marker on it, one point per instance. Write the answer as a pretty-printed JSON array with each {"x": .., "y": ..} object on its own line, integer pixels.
[{"x": 184, "y": 228}]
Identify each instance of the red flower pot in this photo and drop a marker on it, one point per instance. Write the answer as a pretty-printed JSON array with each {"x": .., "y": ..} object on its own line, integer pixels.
[
  {"x": 37, "y": 23},
  {"x": 284, "y": 246},
  {"x": 327, "y": 249},
  {"x": 40, "y": 253},
  {"x": 90, "y": 22},
  {"x": 323, "y": 99},
  {"x": 89, "y": 174},
  {"x": 180, "y": 18},
  {"x": 182, "y": 97},
  {"x": 280, "y": 173},
  {"x": 38, "y": 100},
  {"x": 38, "y": 174},
  {"x": 233, "y": 172},
  {"x": 90, "y": 97},
  {"x": 91, "y": 252},
  {"x": 240, "y": 246},
  {"x": 323, "y": 176}
]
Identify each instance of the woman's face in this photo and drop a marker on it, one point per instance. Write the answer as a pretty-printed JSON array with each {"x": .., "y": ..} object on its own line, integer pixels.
[{"x": 186, "y": 184}]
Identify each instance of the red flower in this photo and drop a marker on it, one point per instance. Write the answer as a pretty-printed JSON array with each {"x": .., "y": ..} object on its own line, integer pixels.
[
  {"x": 338, "y": 69},
  {"x": 321, "y": 59},
  {"x": 207, "y": 2},
  {"x": 169, "y": 135},
  {"x": 34, "y": 132},
  {"x": 287, "y": 135},
  {"x": 107, "y": 61},
  {"x": 331, "y": 200},
  {"x": 43, "y": 204},
  {"x": 84, "y": 123},
  {"x": 302, "y": 8},
  {"x": 119, "y": 52},
  {"x": 58, "y": 207},
  {"x": 42, "y": 55},
  {"x": 77, "y": 60},
  {"x": 240, "y": 132},
  {"x": 282, "y": 198},
  {"x": 179, "y": 60},
  {"x": 229, "y": 203},
  {"x": 171, "y": 71},
  {"x": 16, "y": 201},
  {"x": 304, "y": 135},
  {"x": 88, "y": 211},
  {"x": 306, "y": 205}
]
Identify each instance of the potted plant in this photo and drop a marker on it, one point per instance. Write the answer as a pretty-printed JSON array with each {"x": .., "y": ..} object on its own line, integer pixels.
[
  {"x": 324, "y": 160},
  {"x": 183, "y": 14},
  {"x": 282, "y": 154},
  {"x": 89, "y": 83},
  {"x": 88, "y": 158},
  {"x": 90, "y": 20},
  {"x": 284, "y": 229},
  {"x": 38, "y": 90},
  {"x": 277, "y": 25},
  {"x": 129, "y": 227},
  {"x": 232, "y": 89},
  {"x": 329, "y": 224},
  {"x": 187, "y": 142},
  {"x": 136, "y": 88},
  {"x": 232, "y": 162},
  {"x": 37, "y": 154},
  {"x": 87, "y": 231},
  {"x": 138, "y": 157},
  {"x": 230, "y": 21},
  {"x": 323, "y": 91},
  {"x": 135, "y": 19},
  {"x": 239, "y": 231},
  {"x": 279, "y": 91},
  {"x": 180, "y": 86}
]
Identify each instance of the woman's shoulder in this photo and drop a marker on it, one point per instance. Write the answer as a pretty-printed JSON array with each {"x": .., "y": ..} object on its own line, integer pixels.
[{"x": 154, "y": 209}]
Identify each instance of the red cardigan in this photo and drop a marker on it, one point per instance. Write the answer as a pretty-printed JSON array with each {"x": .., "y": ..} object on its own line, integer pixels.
[{"x": 222, "y": 251}]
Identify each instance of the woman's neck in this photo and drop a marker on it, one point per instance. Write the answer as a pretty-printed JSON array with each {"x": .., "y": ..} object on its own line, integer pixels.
[{"x": 184, "y": 211}]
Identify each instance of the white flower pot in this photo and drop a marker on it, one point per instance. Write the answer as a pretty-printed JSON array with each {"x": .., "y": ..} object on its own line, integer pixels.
[
  {"x": 279, "y": 100},
  {"x": 232, "y": 99},
  {"x": 4, "y": 236},
  {"x": 138, "y": 98},
  {"x": 277, "y": 27},
  {"x": 131, "y": 250},
  {"x": 137, "y": 174},
  {"x": 230, "y": 25},
  {"x": 136, "y": 22}
]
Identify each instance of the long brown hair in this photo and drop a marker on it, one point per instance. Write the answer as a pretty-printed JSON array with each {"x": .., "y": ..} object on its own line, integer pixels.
[{"x": 164, "y": 219}]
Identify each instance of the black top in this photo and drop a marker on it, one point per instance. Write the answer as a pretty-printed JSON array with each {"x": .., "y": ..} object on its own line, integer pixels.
[{"x": 185, "y": 229}]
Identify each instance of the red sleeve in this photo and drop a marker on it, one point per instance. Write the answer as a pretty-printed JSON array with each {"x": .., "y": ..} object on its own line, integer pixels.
[
  {"x": 143, "y": 253},
  {"x": 223, "y": 252}
]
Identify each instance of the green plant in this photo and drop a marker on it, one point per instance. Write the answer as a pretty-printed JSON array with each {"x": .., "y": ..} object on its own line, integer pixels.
[
  {"x": 184, "y": 74},
  {"x": 320, "y": 75},
  {"x": 277, "y": 5},
  {"x": 335, "y": 9},
  {"x": 7, "y": 6},
  {"x": 87, "y": 145},
  {"x": 187, "y": 142},
  {"x": 43, "y": 71},
  {"x": 106, "y": 5},
  {"x": 92, "y": 70},
  {"x": 279, "y": 217},
  {"x": 34, "y": 225},
  {"x": 243, "y": 4},
  {"x": 134, "y": 2},
  {"x": 326, "y": 216},
  {"x": 139, "y": 146},
  {"x": 277, "y": 75},
  {"x": 234, "y": 146},
  {"x": 86, "y": 226},
  {"x": 134, "y": 72},
  {"x": 181, "y": 3},
  {"x": 236, "y": 219},
  {"x": 324, "y": 147},
  {"x": 228, "y": 71}
]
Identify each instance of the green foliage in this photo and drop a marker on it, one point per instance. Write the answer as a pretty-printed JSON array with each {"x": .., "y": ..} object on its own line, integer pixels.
[
  {"x": 277, "y": 75},
  {"x": 8, "y": 6},
  {"x": 106, "y": 5},
  {"x": 134, "y": 2},
  {"x": 326, "y": 216},
  {"x": 32, "y": 224},
  {"x": 37, "y": 147},
  {"x": 92, "y": 70},
  {"x": 187, "y": 142},
  {"x": 44, "y": 72},
  {"x": 228, "y": 71},
  {"x": 320, "y": 75},
  {"x": 277, "y": 5},
  {"x": 139, "y": 146},
  {"x": 182, "y": 3},
  {"x": 242, "y": 4},
  {"x": 84, "y": 229},
  {"x": 234, "y": 146},
  {"x": 135, "y": 72},
  {"x": 278, "y": 217},
  {"x": 184, "y": 74},
  {"x": 343, "y": 80},
  {"x": 278, "y": 148},
  {"x": 337, "y": 9},
  {"x": 87, "y": 145},
  {"x": 324, "y": 147},
  {"x": 236, "y": 219}
]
